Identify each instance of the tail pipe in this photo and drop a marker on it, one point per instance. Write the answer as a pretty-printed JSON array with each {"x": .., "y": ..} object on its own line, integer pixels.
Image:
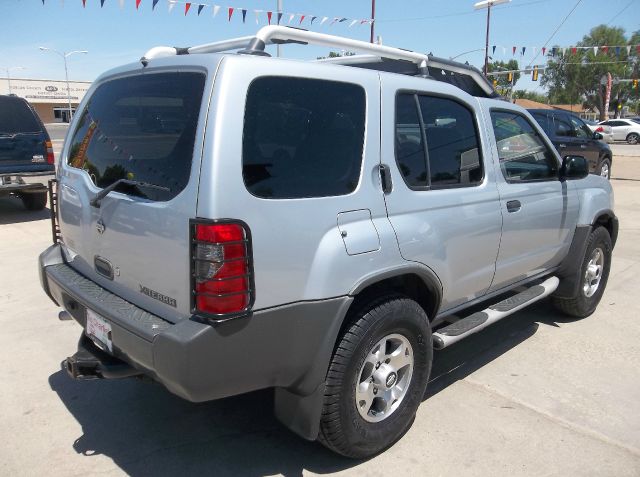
[{"x": 90, "y": 362}]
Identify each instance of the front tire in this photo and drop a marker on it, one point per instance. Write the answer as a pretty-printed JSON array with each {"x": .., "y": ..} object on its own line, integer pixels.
[
  {"x": 605, "y": 168},
  {"x": 34, "y": 201},
  {"x": 593, "y": 277},
  {"x": 633, "y": 138},
  {"x": 377, "y": 378}
]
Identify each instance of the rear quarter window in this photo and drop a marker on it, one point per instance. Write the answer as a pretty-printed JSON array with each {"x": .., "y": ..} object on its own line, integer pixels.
[
  {"x": 17, "y": 117},
  {"x": 302, "y": 137},
  {"x": 140, "y": 128}
]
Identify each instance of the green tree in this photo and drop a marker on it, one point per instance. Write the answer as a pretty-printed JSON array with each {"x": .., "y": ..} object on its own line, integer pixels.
[
  {"x": 532, "y": 95},
  {"x": 504, "y": 85},
  {"x": 577, "y": 78}
]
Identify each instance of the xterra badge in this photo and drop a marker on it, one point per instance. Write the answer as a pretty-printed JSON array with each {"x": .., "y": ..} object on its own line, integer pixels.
[{"x": 167, "y": 300}]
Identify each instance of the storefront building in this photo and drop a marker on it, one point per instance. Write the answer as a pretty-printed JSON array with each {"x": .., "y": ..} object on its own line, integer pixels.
[{"x": 48, "y": 97}]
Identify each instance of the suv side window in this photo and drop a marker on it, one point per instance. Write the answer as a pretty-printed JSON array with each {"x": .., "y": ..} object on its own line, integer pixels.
[
  {"x": 523, "y": 155},
  {"x": 452, "y": 146},
  {"x": 543, "y": 121},
  {"x": 582, "y": 130},
  {"x": 562, "y": 126},
  {"x": 302, "y": 137}
]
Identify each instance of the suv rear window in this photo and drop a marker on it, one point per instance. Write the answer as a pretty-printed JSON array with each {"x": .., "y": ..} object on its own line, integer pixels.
[
  {"x": 302, "y": 137},
  {"x": 140, "y": 128},
  {"x": 17, "y": 117}
]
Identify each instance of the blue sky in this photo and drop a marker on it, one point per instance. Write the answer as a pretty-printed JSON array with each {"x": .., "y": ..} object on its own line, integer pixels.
[{"x": 115, "y": 36}]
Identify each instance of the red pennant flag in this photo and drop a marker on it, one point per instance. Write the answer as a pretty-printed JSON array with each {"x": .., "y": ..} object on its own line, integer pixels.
[
  {"x": 84, "y": 3},
  {"x": 187, "y": 6},
  {"x": 514, "y": 50},
  {"x": 269, "y": 17},
  {"x": 605, "y": 49},
  {"x": 574, "y": 50},
  {"x": 230, "y": 13},
  {"x": 138, "y": 3},
  {"x": 301, "y": 19},
  {"x": 638, "y": 49},
  {"x": 544, "y": 50}
]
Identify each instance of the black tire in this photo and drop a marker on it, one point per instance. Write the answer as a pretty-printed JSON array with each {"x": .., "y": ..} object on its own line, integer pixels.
[
  {"x": 633, "y": 138},
  {"x": 601, "y": 169},
  {"x": 34, "y": 201},
  {"x": 342, "y": 428},
  {"x": 582, "y": 305}
]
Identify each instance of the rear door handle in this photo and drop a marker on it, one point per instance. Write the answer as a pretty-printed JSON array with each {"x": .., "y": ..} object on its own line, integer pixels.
[
  {"x": 513, "y": 206},
  {"x": 562, "y": 145},
  {"x": 583, "y": 146}
]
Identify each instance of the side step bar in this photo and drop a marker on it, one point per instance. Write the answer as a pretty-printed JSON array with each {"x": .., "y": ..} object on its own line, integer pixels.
[{"x": 472, "y": 324}]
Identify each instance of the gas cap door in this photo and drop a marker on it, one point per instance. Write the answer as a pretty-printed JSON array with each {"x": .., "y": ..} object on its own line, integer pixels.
[{"x": 358, "y": 232}]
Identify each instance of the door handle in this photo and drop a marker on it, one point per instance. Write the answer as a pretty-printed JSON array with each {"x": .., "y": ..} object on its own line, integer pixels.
[
  {"x": 513, "y": 206},
  {"x": 583, "y": 146},
  {"x": 385, "y": 178},
  {"x": 562, "y": 145}
]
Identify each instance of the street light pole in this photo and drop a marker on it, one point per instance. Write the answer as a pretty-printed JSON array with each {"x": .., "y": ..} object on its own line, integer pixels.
[
  {"x": 64, "y": 56},
  {"x": 8, "y": 70},
  {"x": 488, "y": 4},
  {"x": 279, "y": 13}
]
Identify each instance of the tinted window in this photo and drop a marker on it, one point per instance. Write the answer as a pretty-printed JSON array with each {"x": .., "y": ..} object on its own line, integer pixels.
[
  {"x": 410, "y": 154},
  {"x": 563, "y": 127},
  {"x": 523, "y": 155},
  {"x": 302, "y": 137},
  {"x": 17, "y": 117},
  {"x": 543, "y": 121},
  {"x": 452, "y": 142},
  {"x": 581, "y": 129},
  {"x": 141, "y": 128},
  {"x": 615, "y": 123}
]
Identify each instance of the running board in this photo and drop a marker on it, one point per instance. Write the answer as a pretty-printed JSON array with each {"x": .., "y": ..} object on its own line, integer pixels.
[{"x": 472, "y": 324}]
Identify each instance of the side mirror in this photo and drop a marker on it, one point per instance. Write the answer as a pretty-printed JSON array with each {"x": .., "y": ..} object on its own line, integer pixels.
[
  {"x": 574, "y": 167},
  {"x": 597, "y": 136}
]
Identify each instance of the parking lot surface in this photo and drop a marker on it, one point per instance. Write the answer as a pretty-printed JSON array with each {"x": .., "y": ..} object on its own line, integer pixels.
[{"x": 535, "y": 394}]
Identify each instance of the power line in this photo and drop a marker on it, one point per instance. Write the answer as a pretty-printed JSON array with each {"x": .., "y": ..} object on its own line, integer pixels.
[
  {"x": 620, "y": 12},
  {"x": 556, "y": 30}
]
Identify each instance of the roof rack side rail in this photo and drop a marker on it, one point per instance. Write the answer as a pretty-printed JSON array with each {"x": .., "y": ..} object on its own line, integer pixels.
[
  {"x": 274, "y": 34},
  {"x": 462, "y": 68},
  {"x": 218, "y": 46}
]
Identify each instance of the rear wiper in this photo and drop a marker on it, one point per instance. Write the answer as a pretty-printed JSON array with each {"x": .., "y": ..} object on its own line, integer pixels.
[{"x": 95, "y": 202}]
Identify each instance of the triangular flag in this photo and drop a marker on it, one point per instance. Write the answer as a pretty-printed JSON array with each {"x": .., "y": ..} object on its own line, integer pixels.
[
  {"x": 216, "y": 9},
  {"x": 171, "y": 4},
  {"x": 564, "y": 52},
  {"x": 257, "y": 12},
  {"x": 595, "y": 50},
  {"x": 353, "y": 22},
  {"x": 43, "y": 2},
  {"x": 155, "y": 2},
  {"x": 200, "y": 7},
  {"x": 230, "y": 13},
  {"x": 574, "y": 50},
  {"x": 279, "y": 17},
  {"x": 638, "y": 49},
  {"x": 617, "y": 51},
  {"x": 605, "y": 49},
  {"x": 334, "y": 20},
  {"x": 302, "y": 19},
  {"x": 493, "y": 50},
  {"x": 514, "y": 50},
  {"x": 504, "y": 50},
  {"x": 84, "y": 3},
  {"x": 342, "y": 20},
  {"x": 524, "y": 48},
  {"x": 544, "y": 50},
  {"x": 138, "y": 4},
  {"x": 535, "y": 50},
  {"x": 324, "y": 19},
  {"x": 244, "y": 15},
  {"x": 269, "y": 17},
  {"x": 101, "y": 3},
  {"x": 312, "y": 20},
  {"x": 122, "y": 5},
  {"x": 187, "y": 6},
  {"x": 291, "y": 17},
  {"x": 628, "y": 50}
]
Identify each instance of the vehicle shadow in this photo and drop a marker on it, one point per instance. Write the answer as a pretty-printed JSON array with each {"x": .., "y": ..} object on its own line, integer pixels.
[
  {"x": 146, "y": 430},
  {"x": 13, "y": 212}
]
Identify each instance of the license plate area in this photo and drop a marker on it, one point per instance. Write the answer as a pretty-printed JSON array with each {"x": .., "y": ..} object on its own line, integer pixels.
[{"x": 99, "y": 330}]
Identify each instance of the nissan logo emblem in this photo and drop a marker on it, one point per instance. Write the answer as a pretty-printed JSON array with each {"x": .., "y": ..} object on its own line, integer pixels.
[{"x": 50, "y": 89}]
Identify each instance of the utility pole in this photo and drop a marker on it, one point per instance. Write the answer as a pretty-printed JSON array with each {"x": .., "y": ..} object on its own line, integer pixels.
[
  {"x": 279, "y": 13},
  {"x": 373, "y": 18},
  {"x": 488, "y": 4},
  {"x": 8, "y": 70},
  {"x": 65, "y": 55}
]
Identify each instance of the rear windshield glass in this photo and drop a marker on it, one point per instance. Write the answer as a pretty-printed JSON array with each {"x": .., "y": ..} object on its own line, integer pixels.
[
  {"x": 142, "y": 129},
  {"x": 302, "y": 137},
  {"x": 17, "y": 117}
]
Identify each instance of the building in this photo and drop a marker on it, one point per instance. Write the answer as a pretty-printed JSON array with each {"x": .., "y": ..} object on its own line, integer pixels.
[{"x": 48, "y": 97}]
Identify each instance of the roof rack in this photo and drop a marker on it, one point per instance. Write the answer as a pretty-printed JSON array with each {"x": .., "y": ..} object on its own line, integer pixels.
[{"x": 375, "y": 56}]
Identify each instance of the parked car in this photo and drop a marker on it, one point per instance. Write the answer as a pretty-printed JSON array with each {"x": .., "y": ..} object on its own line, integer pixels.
[
  {"x": 285, "y": 234},
  {"x": 571, "y": 136},
  {"x": 604, "y": 130},
  {"x": 624, "y": 130},
  {"x": 26, "y": 153}
]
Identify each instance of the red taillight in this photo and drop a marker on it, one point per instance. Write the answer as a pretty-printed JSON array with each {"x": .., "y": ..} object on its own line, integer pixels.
[
  {"x": 600, "y": 129},
  {"x": 221, "y": 269},
  {"x": 50, "y": 158}
]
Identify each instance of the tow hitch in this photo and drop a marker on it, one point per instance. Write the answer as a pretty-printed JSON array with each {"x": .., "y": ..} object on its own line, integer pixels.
[{"x": 92, "y": 363}]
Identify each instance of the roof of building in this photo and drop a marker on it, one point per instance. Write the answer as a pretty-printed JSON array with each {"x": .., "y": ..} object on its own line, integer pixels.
[{"x": 529, "y": 104}]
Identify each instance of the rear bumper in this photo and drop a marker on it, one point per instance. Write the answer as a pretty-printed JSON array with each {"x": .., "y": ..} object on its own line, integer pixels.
[
  {"x": 287, "y": 346},
  {"x": 25, "y": 181}
]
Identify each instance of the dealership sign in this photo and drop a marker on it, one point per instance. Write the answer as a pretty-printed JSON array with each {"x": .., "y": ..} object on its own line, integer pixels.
[{"x": 45, "y": 91}]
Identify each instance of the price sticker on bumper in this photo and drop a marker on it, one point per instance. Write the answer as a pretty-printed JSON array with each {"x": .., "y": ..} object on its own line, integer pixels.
[{"x": 99, "y": 330}]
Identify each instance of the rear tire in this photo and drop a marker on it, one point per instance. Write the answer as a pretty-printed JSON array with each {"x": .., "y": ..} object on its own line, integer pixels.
[
  {"x": 605, "y": 168},
  {"x": 357, "y": 426},
  {"x": 34, "y": 201},
  {"x": 633, "y": 138},
  {"x": 593, "y": 276}
]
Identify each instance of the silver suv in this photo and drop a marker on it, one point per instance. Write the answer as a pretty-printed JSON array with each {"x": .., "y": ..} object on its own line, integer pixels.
[{"x": 227, "y": 222}]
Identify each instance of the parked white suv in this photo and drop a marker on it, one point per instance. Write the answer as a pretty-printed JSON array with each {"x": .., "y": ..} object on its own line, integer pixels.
[{"x": 231, "y": 222}]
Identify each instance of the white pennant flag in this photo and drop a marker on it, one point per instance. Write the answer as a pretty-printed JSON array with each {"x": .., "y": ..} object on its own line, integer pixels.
[
  {"x": 504, "y": 50},
  {"x": 353, "y": 23},
  {"x": 171, "y": 4},
  {"x": 564, "y": 52},
  {"x": 257, "y": 12},
  {"x": 595, "y": 50},
  {"x": 628, "y": 50},
  {"x": 121, "y": 4},
  {"x": 324, "y": 19},
  {"x": 216, "y": 9},
  {"x": 291, "y": 17},
  {"x": 535, "y": 49}
]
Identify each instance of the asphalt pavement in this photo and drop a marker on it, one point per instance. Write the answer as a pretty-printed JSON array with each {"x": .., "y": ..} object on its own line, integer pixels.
[{"x": 535, "y": 394}]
